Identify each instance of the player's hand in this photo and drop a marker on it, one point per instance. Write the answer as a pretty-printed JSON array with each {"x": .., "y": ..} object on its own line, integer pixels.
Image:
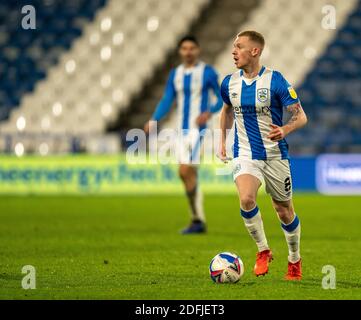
[
  {"x": 222, "y": 153},
  {"x": 146, "y": 127},
  {"x": 150, "y": 124},
  {"x": 203, "y": 118},
  {"x": 277, "y": 133}
]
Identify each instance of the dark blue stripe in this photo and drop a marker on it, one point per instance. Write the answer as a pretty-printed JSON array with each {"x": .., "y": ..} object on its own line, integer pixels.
[
  {"x": 261, "y": 71},
  {"x": 277, "y": 116},
  {"x": 283, "y": 145},
  {"x": 204, "y": 97},
  {"x": 235, "y": 144},
  {"x": 225, "y": 90},
  {"x": 248, "y": 101},
  {"x": 197, "y": 146},
  {"x": 187, "y": 100},
  {"x": 292, "y": 226},
  {"x": 229, "y": 258},
  {"x": 249, "y": 214}
]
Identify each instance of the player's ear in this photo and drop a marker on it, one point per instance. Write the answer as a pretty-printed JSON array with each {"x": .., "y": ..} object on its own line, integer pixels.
[{"x": 256, "y": 51}]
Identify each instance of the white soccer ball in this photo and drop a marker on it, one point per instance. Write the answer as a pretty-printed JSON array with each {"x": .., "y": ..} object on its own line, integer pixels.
[{"x": 226, "y": 267}]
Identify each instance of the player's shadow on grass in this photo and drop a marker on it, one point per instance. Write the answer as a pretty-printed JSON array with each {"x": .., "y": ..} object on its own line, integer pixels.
[
  {"x": 247, "y": 283},
  {"x": 312, "y": 282},
  {"x": 346, "y": 284},
  {"x": 5, "y": 276}
]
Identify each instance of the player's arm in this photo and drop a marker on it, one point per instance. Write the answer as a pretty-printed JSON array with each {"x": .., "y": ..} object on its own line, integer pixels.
[
  {"x": 212, "y": 80},
  {"x": 165, "y": 103},
  {"x": 226, "y": 123},
  {"x": 226, "y": 118},
  {"x": 297, "y": 121},
  {"x": 287, "y": 97}
]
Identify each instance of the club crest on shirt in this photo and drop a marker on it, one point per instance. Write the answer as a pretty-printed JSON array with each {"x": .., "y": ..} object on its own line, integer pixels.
[{"x": 262, "y": 94}]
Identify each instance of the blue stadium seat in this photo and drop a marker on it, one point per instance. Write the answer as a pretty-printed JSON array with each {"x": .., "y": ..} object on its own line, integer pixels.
[
  {"x": 20, "y": 67},
  {"x": 334, "y": 84}
]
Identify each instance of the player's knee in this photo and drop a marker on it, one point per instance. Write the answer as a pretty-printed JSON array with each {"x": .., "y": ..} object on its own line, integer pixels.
[
  {"x": 248, "y": 202},
  {"x": 285, "y": 216},
  {"x": 183, "y": 173},
  {"x": 284, "y": 211}
]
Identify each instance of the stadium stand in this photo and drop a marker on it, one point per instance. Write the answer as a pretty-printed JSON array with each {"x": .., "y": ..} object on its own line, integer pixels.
[
  {"x": 99, "y": 74},
  {"x": 331, "y": 94},
  {"x": 25, "y": 57}
]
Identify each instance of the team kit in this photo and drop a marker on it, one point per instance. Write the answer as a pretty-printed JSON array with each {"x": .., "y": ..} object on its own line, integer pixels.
[{"x": 251, "y": 102}]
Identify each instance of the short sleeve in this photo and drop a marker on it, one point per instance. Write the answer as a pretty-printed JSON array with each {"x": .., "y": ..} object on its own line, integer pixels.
[
  {"x": 225, "y": 90},
  {"x": 211, "y": 77},
  {"x": 211, "y": 74},
  {"x": 165, "y": 103},
  {"x": 284, "y": 91}
]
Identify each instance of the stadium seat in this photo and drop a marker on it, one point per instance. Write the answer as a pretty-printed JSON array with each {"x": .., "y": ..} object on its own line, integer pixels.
[{"x": 85, "y": 62}]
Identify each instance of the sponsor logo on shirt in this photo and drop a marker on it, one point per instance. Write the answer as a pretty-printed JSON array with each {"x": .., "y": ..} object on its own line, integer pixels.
[{"x": 252, "y": 110}]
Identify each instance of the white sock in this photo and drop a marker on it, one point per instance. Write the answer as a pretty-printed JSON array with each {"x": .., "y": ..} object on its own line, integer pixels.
[
  {"x": 254, "y": 224},
  {"x": 195, "y": 198},
  {"x": 292, "y": 233}
]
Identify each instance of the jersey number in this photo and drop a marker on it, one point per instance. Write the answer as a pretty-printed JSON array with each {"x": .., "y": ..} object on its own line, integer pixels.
[{"x": 287, "y": 184}]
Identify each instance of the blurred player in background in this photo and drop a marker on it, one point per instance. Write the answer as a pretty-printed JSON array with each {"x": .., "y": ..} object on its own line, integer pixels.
[
  {"x": 190, "y": 84},
  {"x": 255, "y": 97}
]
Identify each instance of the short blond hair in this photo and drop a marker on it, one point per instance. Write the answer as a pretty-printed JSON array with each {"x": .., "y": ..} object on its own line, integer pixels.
[{"x": 254, "y": 36}]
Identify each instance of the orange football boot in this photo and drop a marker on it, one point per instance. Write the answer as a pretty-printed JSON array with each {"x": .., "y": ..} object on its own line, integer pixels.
[
  {"x": 262, "y": 262},
  {"x": 294, "y": 271}
]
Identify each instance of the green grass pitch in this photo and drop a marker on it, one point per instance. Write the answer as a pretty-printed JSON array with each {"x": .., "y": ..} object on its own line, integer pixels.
[{"x": 130, "y": 248}]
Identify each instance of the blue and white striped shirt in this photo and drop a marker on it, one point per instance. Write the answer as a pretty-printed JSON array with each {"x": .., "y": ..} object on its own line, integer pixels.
[
  {"x": 257, "y": 103},
  {"x": 191, "y": 89}
]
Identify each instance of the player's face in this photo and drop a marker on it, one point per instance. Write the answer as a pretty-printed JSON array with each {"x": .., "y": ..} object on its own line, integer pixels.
[
  {"x": 189, "y": 52},
  {"x": 243, "y": 52}
]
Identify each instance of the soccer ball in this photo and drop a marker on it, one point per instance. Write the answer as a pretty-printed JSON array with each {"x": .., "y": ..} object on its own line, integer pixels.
[{"x": 226, "y": 267}]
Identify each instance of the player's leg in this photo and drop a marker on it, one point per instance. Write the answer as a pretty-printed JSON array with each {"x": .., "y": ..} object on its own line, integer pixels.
[
  {"x": 279, "y": 185},
  {"x": 292, "y": 229},
  {"x": 248, "y": 180},
  {"x": 247, "y": 186},
  {"x": 189, "y": 176}
]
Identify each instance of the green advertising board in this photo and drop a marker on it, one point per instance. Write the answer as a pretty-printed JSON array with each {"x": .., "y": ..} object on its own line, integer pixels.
[{"x": 86, "y": 174}]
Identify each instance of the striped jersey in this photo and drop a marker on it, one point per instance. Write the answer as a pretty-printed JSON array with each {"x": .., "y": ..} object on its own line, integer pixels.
[
  {"x": 257, "y": 103},
  {"x": 190, "y": 87}
]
